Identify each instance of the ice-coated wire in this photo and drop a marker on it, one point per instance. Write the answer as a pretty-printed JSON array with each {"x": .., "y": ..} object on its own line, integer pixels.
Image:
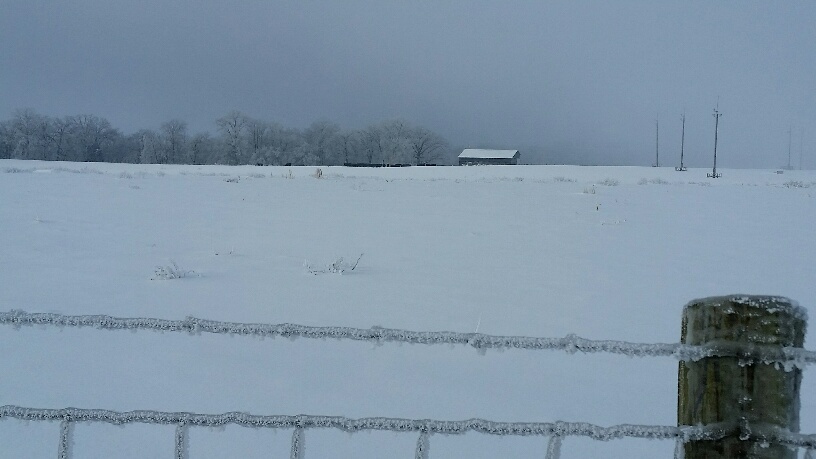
[
  {"x": 559, "y": 429},
  {"x": 554, "y": 447},
  {"x": 428, "y": 426},
  {"x": 679, "y": 449},
  {"x": 181, "y": 441},
  {"x": 789, "y": 357},
  {"x": 65, "y": 439},
  {"x": 423, "y": 446},
  {"x": 298, "y": 444}
]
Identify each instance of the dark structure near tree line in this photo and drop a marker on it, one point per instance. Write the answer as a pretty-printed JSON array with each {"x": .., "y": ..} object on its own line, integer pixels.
[{"x": 474, "y": 157}]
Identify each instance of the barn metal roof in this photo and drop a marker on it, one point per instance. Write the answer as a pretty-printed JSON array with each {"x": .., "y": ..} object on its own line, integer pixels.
[{"x": 483, "y": 154}]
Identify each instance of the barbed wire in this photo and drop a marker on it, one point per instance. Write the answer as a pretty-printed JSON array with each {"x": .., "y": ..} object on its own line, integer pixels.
[{"x": 787, "y": 356}]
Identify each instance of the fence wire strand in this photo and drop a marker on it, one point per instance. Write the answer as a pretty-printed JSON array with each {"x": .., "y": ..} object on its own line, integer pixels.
[
  {"x": 184, "y": 420},
  {"x": 789, "y": 357},
  {"x": 298, "y": 445},
  {"x": 66, "y": 427},
  {"x": 554, "y": 447},
  {"x": 181, "y": 441},
  {"x": 423, "y": 446}
]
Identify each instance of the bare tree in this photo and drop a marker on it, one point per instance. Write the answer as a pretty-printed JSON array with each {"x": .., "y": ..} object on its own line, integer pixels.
[{"x": 426, "y": 146}]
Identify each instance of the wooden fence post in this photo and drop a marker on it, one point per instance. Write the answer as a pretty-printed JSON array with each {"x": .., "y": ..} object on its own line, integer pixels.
[{"x": 747, "y": 397}]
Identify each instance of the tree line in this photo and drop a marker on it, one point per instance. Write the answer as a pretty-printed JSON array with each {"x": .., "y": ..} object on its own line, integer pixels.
[{"x": 240, "y": 139}]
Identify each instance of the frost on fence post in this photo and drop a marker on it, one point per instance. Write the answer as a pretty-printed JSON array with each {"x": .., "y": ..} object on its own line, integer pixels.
[{"x": 740, "y": 388}]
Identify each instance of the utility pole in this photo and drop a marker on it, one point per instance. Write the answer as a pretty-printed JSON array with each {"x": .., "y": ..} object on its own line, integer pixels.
[
  {"x": 801, "y": 145},
  {"x": 657, "y": 141},
  {"x": 717, "y": 116},
  {"x": 682, "y": 142}
]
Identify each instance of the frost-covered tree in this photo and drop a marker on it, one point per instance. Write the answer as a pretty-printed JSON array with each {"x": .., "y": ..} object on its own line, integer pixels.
[
  {"x": 286, "y": 145},
  {"x": 321, "y": 139},
  {"x": 232, "y": 127},
  {"x": 349, "y": 143},
  {"x": 150, "y": 151},
  {"x": 202, "y": 149},
  {"x": 6, "y": 140},
  {"x": 386, "y": 142},
  {"x": 397, "y": 149},
  {"x": 174, "y": 141},
  {"x": 426, "y": 146},
  {"x": 242, "y": 140},
  {"x": 25, "y": 125},
  {"x": 372, "y": 140},
  {"x": 257, "y": 141},
  {"x": 93, "y": 137},
  {"x": 60, "y": 137}
]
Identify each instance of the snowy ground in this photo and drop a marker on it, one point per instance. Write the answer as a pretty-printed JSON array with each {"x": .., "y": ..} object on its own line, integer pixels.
[{"x": 603, "y": 252}]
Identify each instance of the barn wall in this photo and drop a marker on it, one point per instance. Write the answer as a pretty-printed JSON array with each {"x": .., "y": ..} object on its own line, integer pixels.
[{"x": 487, "y": 161}]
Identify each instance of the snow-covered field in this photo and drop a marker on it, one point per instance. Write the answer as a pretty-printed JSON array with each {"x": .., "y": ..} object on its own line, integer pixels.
[{"x": 602, "y": 252}]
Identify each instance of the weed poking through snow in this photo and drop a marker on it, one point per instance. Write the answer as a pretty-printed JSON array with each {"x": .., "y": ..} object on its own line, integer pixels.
[{"x": 339, "y": 266}]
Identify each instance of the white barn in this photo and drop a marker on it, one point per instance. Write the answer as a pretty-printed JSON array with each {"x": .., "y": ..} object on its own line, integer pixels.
[{"x": 475, "y": 156}]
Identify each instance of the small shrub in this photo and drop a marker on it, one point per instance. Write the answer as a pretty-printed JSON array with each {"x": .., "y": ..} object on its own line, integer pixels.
[
  {"x": 84, "y": 170},
  {"x": 15, "y": 170},
  {"x": 171, "y": 271},
  {"x": 795, "y": 184},
  {"x": 655, "y": 181},
  {"x": 563, "y": 179},
  {"x": 610, "y": 182},
  {"x": 232, "y": 179},
  {"x": 318, "y": 173},
  {"x": 589, "y": 190},
  {"x": 125, "y": 175},
  {"x": 288, "y": 175},
  {"x": 256, "y": 175}
]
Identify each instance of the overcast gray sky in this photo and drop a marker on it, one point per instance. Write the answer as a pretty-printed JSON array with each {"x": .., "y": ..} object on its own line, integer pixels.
[{"x": 584, "y": 78}]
